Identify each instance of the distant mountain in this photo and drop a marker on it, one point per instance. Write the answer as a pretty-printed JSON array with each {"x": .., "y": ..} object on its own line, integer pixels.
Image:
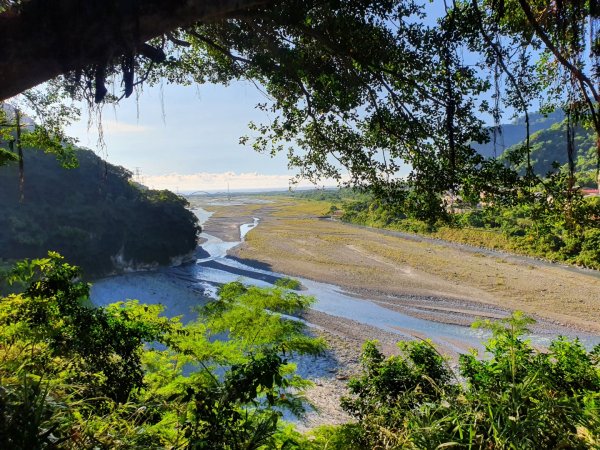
[
  {"x": 548, "y": 141},
  {"x": 550, "y": 145},
  {"x": 94, "y": 215},
  {"x": 513, "y": 133}
]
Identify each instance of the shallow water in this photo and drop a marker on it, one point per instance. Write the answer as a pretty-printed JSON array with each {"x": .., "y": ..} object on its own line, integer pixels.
[
  {"x": 207, "y": 274},
  {"x": 331, "y": 299}
]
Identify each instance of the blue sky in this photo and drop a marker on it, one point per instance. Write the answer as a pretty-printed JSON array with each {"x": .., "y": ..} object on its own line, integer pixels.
[{"x": 194, "y": 145}]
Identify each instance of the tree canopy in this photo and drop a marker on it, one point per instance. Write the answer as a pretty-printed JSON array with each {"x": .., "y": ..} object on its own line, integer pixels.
[
  {"x": 43, "y": 39},
  {"x": 363, "y": 86}
]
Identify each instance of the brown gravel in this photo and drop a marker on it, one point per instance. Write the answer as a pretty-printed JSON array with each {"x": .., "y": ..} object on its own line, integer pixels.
[{"x": 368, "y": 263}]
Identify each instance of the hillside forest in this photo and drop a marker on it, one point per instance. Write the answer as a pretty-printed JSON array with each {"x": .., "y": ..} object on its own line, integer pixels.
[{"x": 94, "y": 214}]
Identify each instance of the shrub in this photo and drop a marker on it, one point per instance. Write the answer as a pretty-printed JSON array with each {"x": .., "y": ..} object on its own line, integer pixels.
[
  {"x": 590, "y": 249},
  {"x": 122, "y": 376},
  {"x": 516, "y": 397},
  {"x": 288, "y": 283}
]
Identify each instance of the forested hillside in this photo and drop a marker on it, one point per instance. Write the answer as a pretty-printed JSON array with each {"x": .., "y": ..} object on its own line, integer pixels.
[
  {"x": 514, "y": 133},
  {"x": 548, "y": 143},
  {"x": 548, "y": 146},
  {"x": 93, "y": 214}
]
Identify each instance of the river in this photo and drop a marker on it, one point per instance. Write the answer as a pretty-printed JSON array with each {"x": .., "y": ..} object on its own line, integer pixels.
[{"x": 182, "y": 288}]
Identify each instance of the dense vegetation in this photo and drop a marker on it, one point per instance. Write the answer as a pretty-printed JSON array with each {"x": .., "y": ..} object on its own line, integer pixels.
[
  {"x": 94, "y": 214},
  {"x": 515, "y": 398},
  {"x": 547, "y": 153},
  {"x": 541, "y": 225},
  {"x": 548, "y": 140},
  {"x": 123, "y": 376}
]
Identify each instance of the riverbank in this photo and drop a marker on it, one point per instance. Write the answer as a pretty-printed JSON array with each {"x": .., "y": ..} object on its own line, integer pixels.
[
  {"x": 439, "y": 281},
  {"x": 445, "y": 283}
]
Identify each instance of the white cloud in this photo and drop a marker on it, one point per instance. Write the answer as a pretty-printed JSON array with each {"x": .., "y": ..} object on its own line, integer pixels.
[
  {"x": 114, "y": 127},
  {"x": 206, "y": 181}
]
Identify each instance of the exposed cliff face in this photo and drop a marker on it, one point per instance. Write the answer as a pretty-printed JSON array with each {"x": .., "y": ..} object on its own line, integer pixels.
[
  {"x": 122, "y": 265},
  {"x": 94, "y": 215}
]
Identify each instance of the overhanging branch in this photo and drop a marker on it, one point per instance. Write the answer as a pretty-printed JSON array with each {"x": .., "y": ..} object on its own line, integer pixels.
[{"x": 47, "y": 38}]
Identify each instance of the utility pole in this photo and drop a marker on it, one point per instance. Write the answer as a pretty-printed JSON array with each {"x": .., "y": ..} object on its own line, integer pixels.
[{"x": 138, "y": 174}]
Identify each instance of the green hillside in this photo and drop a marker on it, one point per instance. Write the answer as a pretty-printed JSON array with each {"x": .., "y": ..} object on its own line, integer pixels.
[
  {"x": 93, "y": 214},
  {"x": 515, "y": 132},
  {"x": 548, "y": 140},
  {"x": 550, "y": 145}
]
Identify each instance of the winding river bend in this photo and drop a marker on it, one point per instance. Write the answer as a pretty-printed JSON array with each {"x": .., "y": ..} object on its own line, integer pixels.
[{"x": 182, "y": 288}]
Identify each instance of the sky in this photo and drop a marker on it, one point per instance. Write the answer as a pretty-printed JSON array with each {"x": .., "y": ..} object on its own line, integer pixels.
[{"x": 186, "y": 138}]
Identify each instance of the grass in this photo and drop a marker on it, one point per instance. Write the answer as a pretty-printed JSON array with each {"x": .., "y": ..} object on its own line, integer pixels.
[{"x": 301, "y": 207}]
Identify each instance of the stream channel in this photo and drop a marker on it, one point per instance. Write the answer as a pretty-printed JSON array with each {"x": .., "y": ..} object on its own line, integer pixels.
[{"x": 201, "y": 279}]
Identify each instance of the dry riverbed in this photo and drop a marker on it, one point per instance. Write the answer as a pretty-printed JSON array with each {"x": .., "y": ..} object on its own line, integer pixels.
[{"x": 437, "y": 281}]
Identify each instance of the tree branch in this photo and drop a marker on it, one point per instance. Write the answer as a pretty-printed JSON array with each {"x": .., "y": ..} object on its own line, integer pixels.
[
  {"x": 46, "y": 38},
  {"x": 218, "y": 47},
  {"x": 559, "y": 56}
]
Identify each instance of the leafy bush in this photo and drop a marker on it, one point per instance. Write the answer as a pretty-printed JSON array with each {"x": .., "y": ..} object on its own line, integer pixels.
[
  {"x": 288, "y": 283},
  {"x": 72, "y": 376},
  {"x": 472, "y": 219},
  {"x": 515, "y": 397},
  {"x": 590, "y": 249}
]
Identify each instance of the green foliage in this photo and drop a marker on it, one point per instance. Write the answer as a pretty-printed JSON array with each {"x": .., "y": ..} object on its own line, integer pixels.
[
  {"x": 548, "y": 149},
  {"x": 6, "y": 156},
  {"x": 288, "y": 283},
  {"x": 346, "y": 436},
  {"x": 43, "y": 129},
  {"x": 390, "y": 389},
  {"x": 97, "y": 341},
  {"x": 73, "y": 376},
  {"x": 93, "y": 214},
  {"x": 514, "y": 397},
  {"x": 330, "y": 195}
]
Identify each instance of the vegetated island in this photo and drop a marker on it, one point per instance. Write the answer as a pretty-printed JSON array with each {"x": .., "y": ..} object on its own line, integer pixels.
[{"x": 94, "y": 214}]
